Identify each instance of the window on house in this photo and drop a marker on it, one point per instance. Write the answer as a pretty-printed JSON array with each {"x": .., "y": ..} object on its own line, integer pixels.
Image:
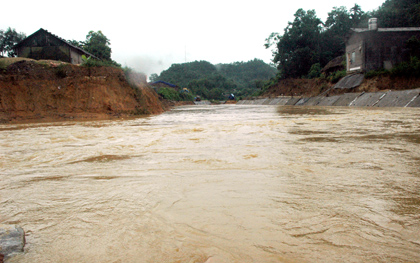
[{"x": 351, "y": 57}]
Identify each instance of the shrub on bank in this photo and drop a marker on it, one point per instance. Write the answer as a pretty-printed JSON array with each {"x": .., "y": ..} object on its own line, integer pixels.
[
  {"x": 169, "y": 94},
  {"x": 336, "y": 76},
  {"x": 375, "y": 73},
  {"x": 407, "y": 69}
]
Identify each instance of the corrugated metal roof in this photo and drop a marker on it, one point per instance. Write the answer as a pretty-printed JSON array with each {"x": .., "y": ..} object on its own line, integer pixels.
[{"x": 391, "y": 29}]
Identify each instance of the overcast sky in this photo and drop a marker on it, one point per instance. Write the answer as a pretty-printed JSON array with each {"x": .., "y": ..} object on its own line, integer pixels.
[{"x": 150, "y": 36}]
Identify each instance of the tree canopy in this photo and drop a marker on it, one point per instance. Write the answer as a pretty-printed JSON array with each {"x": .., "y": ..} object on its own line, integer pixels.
[
  {"x": 98, "y": 44},
  {"x": 307, "y": 40},
  {"x": 8, "y": 39},
  {"x": 218, "y": 81},
  {"x": 398, "y": 13}
]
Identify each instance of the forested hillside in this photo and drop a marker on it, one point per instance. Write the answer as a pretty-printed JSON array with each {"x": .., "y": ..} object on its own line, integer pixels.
[{"x": 218, "y": 81}]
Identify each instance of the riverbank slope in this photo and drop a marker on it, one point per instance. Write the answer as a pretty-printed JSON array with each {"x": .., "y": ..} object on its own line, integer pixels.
[
  {"x": 316, "y": 87},
  {"x": 50, "y": 90}
]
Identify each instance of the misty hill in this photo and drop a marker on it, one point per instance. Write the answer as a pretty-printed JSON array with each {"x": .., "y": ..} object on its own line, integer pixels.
[{"x": 218, "y": 81}]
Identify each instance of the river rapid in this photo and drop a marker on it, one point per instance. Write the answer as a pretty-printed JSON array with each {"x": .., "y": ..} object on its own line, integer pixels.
[{"x": 224, "y": 183}]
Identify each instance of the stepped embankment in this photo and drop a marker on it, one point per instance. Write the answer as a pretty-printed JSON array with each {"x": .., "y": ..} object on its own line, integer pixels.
[{"x": 398, "y": 98}]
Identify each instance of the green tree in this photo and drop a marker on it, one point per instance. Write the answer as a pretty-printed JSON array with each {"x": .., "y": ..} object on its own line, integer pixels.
[
  {"x": 245, "y": 74},
  {"x": 76, "y": 43},
  {"x": 153, "y": 77},
  {"x": 299, "y": 47},
  {"x": 98, "y": 44},
  {"x": 357, "y": 15},
  {"x": 216, "y": 94},
  {"x": 183, "y": 74},
  {"x": 307, "y": 41},
  {"x": 169, "y": 94},
  {"x": 315, "y": 71},
  {"x": 398, "y": 13},
  {"x": 201, "y": 77},
  {"x": 8, "y": 39},
  {"x": 337, "y": 25}
]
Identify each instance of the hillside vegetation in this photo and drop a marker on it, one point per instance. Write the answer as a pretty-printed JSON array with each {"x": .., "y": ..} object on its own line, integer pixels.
[{"x": 218, "y": 81}]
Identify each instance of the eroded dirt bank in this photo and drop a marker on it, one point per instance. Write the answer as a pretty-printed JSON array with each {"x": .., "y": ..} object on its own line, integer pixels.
[{"x": 47, "y": 90}]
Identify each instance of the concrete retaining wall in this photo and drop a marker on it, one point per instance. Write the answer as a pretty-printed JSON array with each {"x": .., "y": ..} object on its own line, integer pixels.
[
  {"x": 329, "y": 101},
  {"x": 402, "y": 98},
  {"x": 292, "y": 101},
  {"x": 368, "y": 99},
  {"x": 415, "y": 102},
  {"x": 346, "y": 99},
  {"x": 397, "y": 98}
]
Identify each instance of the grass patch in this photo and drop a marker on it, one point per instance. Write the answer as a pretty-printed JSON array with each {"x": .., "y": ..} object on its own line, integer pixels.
[
  {"x": 375, "y": 73},
  {"x": 5, "y": 62},
  {"x": 336, "y": 76}
]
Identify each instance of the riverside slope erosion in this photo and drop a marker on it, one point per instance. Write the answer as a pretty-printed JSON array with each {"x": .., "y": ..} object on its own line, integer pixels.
[{"x": 51, "y": 90}]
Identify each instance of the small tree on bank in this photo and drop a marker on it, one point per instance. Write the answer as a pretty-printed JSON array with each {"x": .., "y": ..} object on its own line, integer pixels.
[{"x": 8, "y": 39}]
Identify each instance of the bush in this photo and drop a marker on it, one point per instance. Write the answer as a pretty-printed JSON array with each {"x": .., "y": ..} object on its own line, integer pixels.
[
  {"x": 407, "y": 69},
  {"x": 184, "y": 96},
  {"x": 336, "y": 76},
  {"x": 315, "y": 71},
  {"x": 375, "y": 73},
  {"x": 169, "y": 94}
]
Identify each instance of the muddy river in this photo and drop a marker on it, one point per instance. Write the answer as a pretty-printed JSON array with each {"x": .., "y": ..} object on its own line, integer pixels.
[{"x": 223, "y": 183}]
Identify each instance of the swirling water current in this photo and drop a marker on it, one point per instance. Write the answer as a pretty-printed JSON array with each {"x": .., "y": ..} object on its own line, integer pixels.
[{"x": 228, "y": 183}]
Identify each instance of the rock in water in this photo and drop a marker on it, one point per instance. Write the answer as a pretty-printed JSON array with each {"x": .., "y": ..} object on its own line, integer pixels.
[{"x": 12, "y": 240}]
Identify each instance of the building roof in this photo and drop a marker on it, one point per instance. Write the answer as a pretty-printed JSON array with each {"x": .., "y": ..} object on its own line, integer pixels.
[
  {"x": 333, "y": 64},
  {"x": 390, "y": 29},
  {"x": 41, "y": 30},
  {"x": 165, "y": 83}
]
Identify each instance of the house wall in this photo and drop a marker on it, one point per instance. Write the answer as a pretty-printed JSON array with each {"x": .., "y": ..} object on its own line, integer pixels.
[
  {"x": 60, "y": 53},
  {"x": 75, "y": 56},
  {"x": 355, "y": 53},
  {"x": 376, "y": 50},
  {"x": 387, "y": 49},
  {"x": 43, "y": 46}
]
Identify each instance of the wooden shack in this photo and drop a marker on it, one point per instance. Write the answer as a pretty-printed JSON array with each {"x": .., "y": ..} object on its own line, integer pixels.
[
  {"x": 376, "y": 48},
  {"x": 44, "y": 45}
]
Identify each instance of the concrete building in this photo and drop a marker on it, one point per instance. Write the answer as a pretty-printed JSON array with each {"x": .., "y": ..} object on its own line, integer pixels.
[
  {"x": 376, "y": 48},
  {"x": 44, "y": 45}
]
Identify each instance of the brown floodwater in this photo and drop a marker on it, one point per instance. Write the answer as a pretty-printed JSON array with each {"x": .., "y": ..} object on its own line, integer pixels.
[{"x": 229, "y": 183}]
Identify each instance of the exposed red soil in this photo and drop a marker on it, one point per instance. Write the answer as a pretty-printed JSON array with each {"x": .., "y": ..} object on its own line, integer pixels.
[{"x": 33, "y": 90}]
